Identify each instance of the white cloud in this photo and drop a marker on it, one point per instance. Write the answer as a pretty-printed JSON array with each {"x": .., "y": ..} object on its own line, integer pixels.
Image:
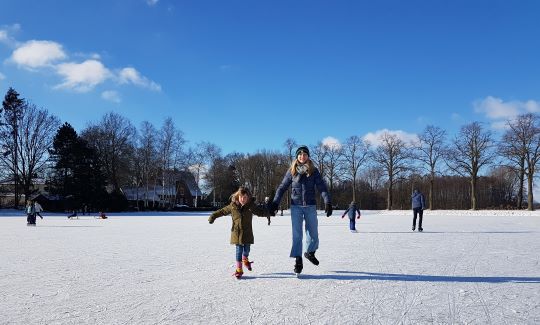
[
  {"x": 82, "y": 77},
  {"x": 111, "y": 95},
  {"x": 374, "y": 138},
  {"x": 36, "y": 54},
  {"x": 496, "y": 109},
  {"x": 46, "y": 56},
  {"x": 532, "y": 106},
  {"x": 152, "y": 2},
  {"x": 500, "y": 111},
  {"x": 5, "y": 35},
  {"x": 2, "y": 77},
  {"x": 331, "y": 142},
  {"x": 130, "y": 75}
]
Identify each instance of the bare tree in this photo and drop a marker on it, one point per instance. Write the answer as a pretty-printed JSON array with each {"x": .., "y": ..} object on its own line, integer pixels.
[
  {"x": 355, "y": 154},
  {"x": 36, "y": 134},
  {"x": 514, "y": 150},
  {"x": 147, "y": 155},
  {"x": 113, "y": 139},
  {"x": 521, "y": 145},
  {"x": 432, "y": 148},
  {"x": 471, "y": 150},
  {"x": 199, "y": 160},
  {"x": 333, "y": 163},
  {"x": 290, "y": 144},
  {"x": 319, "y": 155},
  {"x": 392, "y": 156},
  {"x": 168, "y": 138},
  {"x": 221, "y": 178},
  {"x": 213, "y": 154},
  {"x": 374, "y": 177}
]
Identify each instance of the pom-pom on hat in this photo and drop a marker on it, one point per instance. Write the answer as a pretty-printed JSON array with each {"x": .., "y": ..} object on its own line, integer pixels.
[{"x": 302, "y": 149}]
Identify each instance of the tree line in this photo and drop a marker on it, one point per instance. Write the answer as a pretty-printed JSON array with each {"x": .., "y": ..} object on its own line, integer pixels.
[{"x": 470, "y": 170}]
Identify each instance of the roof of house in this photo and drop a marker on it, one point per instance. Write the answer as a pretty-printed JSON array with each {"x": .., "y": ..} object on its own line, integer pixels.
[{"x": 138, "y": 193}]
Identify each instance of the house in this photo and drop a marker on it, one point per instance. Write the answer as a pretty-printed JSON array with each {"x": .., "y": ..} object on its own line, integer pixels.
[
  {"x": 7, "y": 191},
  {"x": 183, "y": 192}
]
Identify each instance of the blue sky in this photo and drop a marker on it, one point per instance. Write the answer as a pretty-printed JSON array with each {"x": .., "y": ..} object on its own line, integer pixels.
[{"x": 246, "y": 75}]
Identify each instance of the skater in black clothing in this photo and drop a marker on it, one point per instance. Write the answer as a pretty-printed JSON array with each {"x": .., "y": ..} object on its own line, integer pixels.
[
  {"x": 30, "y": 214},
  {"x": 352, "y": 210},
  {"x": 73, "y": 215},
  {"x": 418, "y": 206}
]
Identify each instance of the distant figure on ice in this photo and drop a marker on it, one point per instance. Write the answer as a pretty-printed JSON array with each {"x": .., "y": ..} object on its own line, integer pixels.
[
  {"x": 73, "y": 215},
  {"x": 38, "y": 209},
  {"x": 266, "y": 201},
  {"x": 352, "y": 210},
  {"x": 102, "y": 215},
  {"x": 418, "y": 206},
  {"x": 242, "y": 208},
  {"x": 303, "y": 178},
  {"x": 30, "y": 214}
]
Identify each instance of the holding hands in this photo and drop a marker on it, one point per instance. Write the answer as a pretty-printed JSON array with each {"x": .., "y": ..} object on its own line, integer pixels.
[{"x": 273, "y": 208}]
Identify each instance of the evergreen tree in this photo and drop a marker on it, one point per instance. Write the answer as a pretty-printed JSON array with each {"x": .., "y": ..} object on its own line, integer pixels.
[
  {"x": 13, "y": 107},
  {"x": 77, "y": 175}
]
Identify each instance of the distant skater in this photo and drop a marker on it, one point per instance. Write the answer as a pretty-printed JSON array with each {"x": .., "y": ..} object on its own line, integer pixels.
[
  {"x": 38, "y": 209},
  {"x": 30, "y": 214},
  {"x": 353, "y": 212},
  {"x": 418, "y": 206},
  {"x": 73, "y": 215},
  {"x": 266, "y": 202},
  {"x": 242, "y": 208}
]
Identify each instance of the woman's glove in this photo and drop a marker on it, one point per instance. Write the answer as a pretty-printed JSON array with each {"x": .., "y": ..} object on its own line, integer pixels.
[
  {"x": 272, "y": 208},
  {"x": 328, "y": 209},
  {"x": 210, "y": 220}
]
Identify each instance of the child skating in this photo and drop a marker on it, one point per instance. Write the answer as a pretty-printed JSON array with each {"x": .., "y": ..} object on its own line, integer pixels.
[
  {"x": 353, "y": 212},
  {"x": 242, "y": 208}
]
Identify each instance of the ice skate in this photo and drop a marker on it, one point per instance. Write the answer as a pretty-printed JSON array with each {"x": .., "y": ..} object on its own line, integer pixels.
[
  {"x": 311, "y": 257},
  {"x": 246, "y": 262},
  {"x": 298, "y": 266},
  {"x": 238, "y": 273}
]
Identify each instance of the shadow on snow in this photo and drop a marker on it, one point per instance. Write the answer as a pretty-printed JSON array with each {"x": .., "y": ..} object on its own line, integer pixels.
[{"x": 349, "y": 275}]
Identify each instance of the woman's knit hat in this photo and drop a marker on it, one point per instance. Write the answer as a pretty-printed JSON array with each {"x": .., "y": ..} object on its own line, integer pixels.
[{"x": 302, "y": 148}]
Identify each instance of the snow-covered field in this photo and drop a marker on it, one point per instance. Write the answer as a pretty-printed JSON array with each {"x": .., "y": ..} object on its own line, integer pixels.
[{"x": 467, "y": 267}]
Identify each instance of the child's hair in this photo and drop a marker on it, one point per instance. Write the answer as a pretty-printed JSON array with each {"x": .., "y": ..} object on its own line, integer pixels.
[
  {"x": 242, "y": 190},
  {"x": 309, "y": 163}
]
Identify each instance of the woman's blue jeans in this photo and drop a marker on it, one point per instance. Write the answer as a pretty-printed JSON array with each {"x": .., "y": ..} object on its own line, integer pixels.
[
  {"x": 242, "y": 250},
  {"x": 299, "y": 214}
]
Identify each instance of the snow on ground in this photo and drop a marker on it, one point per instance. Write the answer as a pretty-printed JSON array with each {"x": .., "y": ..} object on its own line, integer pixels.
[{"x": 467, "y": 267}]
